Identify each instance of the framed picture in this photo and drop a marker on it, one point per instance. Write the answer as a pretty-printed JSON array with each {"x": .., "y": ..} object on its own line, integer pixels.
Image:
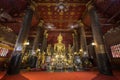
[
  {"x": 115, "y": 50},
  {"x": 3, "y": 52}
]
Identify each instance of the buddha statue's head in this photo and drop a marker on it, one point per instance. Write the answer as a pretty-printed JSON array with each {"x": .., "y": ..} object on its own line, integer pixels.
[{"x": 60, "y": 38}]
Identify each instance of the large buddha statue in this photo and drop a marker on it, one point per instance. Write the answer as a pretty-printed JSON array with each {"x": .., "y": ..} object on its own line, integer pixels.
[{"x": 59, "y": 47}]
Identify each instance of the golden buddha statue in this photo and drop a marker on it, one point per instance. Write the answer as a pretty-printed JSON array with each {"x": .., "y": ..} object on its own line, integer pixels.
[
  {"x": 59, "y": 47},
  {"x": 69, "y": 49},
  {"x": 25, "y": 58},
  {"x": 43, "y": 57},
  {"x": 49, "y": 49}
]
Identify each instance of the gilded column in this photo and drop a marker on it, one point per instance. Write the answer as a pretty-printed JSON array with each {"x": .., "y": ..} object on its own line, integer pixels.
[
  {"x": 44, "y": 44},
  {"x": 73, "y": 42},
  {"x": 75, "y": 37},
  {"x": 83, "y": 38},
  {"x": 14, "y": 64},
  {"x": 36, "y": 40},
  {"x": 102, "y": 59},
  {"x": 35, "y": 47}
]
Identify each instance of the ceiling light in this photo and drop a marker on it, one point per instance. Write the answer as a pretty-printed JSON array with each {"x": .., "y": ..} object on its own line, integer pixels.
[
  {"x": 93, "y": 43},
  {"x": 81, "y": 50},
  {"x": 61, "y": 7},
  {"x": 26, "y": 43},
  {"x": 49, "y": 27},
  {"x": 72, "y": 26},
  {"x": 38, "y": 50}
]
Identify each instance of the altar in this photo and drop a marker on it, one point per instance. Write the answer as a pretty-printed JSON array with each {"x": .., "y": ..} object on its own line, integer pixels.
[
  {"x": 61, "y": 59},
  {"x": 58, "y": 62}
]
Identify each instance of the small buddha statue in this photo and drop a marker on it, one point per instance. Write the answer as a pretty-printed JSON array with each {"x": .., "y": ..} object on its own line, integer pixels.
[
  {"x": 25, "y": 58},
  {"x": 43, "y": 57},
  {"x": 59, "y": 47},
  {"x": 69, "y": 49},
  {"x": 49, "y": 49}
]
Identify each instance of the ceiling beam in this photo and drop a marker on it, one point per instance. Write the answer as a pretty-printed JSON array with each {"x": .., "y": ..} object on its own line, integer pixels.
[
  {"x": 102, "y": 18},
  {"x": 59, "y": 21},
  {"x": 107, "y": 24},
  {"x": 115, "y": 15},
  {"x": 88, "y": 32},
  {"x": 88, "y": 36},
  {"x": 109, "y": 6},
  {"x": 61, "y": 30},
  {"x": 32, "y": 36},
  {"x": 9, "y": 22},
  {"x": 57, "y": 1},
  {"x": 54, "y": 4}
]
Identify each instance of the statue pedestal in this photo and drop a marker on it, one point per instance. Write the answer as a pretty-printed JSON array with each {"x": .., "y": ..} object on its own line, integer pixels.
[{"x": 59, "y": 62}]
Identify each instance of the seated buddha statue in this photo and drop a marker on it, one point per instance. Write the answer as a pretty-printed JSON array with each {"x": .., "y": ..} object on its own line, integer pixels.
[{"x": 59, "y": 47}]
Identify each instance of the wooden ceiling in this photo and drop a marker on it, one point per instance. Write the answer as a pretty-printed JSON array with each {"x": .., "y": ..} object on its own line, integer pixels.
[
  {"x": 46, "y": 11},
  {"x": 61, "y": 20}
]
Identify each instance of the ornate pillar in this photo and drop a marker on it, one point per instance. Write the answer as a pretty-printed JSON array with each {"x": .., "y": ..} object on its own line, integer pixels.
[
  {"x": 14, "y": 65},
  {"x": 36, "y": 46},
  {"x": 83, "y": 38},
  {"x": 36, "y": 40},
  {"x": 102, "y": 59},
  {"x": 75, "y": 41},
  {"x": 44, "y": 45}
]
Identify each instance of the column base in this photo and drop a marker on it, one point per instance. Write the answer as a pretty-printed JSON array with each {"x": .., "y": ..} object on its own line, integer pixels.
[
  {"x": 32, "y": 61},
  {"x": 14, "y": 64},
  {"x": 104, "y": 64}
]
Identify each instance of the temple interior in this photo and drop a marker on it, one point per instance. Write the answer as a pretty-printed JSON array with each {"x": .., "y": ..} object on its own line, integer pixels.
[{"x": 60, "y": 36}]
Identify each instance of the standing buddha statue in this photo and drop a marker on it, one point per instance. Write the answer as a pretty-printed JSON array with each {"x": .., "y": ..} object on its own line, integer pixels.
[
  {"x": 43, "y": 57},
  {"x": 49, "y": 49}
]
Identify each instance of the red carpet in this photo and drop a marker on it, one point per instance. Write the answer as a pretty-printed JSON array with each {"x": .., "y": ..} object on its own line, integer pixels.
[
  {"x": 61, "y": 76},
  {"x": 2, "y": 74}
]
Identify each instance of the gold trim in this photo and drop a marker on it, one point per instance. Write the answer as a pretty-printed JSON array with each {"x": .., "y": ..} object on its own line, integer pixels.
[
  {"x": 100, "y": 49},
  {"x": 41, "y": 23},
  {"x": 90, "y": 5},
  {"x": 80, "y": 23},
  {"x": 6, "y": 46},
  {"x": 1, "y": 38},
  {"x": 59, "y": 21},
  {"x": 3, "y": 59}
]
